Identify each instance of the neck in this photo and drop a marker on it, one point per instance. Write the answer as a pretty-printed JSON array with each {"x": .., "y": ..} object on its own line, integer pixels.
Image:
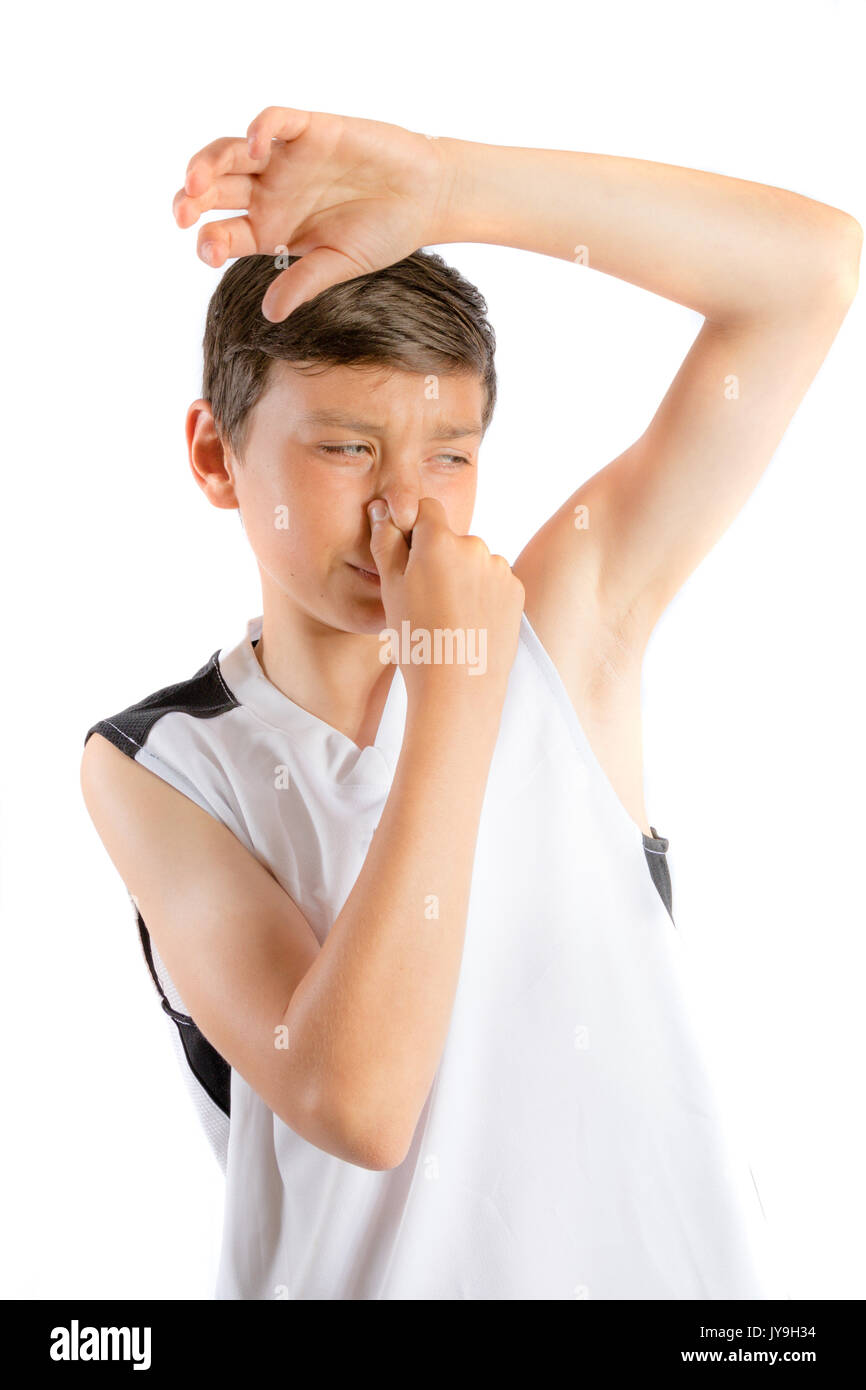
[{"x": 333, "y": 674}]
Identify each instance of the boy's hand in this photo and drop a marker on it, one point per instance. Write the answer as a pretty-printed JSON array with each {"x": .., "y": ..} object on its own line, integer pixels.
[
  {"x": 350, "y": 196},
  {"x": 453, "y": 583}
]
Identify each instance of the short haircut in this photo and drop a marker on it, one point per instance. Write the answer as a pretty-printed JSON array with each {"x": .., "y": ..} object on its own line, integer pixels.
[{"x": 418, "y": 315}]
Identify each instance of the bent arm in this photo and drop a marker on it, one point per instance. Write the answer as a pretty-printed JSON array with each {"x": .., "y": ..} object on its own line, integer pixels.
[
  {"x": 366, "y": 1015},
  {"x": 372, "y": 1013},
  {"x": 733, "y": 250},
  {"x": 772, "y": 272}
]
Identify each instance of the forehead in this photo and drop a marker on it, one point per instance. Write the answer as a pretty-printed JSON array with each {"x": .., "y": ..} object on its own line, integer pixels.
[{"x": 380, "y": 396}]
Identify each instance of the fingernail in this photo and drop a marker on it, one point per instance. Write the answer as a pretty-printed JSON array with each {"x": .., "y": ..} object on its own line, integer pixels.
[
  {"x": 378, "y": 510},
  {"x": 207, "y": 252}
]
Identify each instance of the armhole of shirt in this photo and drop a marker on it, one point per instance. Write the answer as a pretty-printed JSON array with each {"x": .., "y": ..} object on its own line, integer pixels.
[
  {"x": 655, "y": 846},
  {"x": 655, "y": 849},
  {"x": 203, "y": 695}
]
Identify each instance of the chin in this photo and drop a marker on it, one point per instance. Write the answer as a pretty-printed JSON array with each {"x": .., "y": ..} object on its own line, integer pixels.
[
  {"x": 371, "y": 620},
  {"x": 354, "y": 615}
]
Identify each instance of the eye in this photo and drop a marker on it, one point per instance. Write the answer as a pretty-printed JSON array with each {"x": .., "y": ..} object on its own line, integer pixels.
[
  {"x": 341, "y": 448},
  {"x": 453, "y": 461}
]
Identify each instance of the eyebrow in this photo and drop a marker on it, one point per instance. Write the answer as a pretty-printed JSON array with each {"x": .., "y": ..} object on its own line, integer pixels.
[{"x": 444, "y": 429}]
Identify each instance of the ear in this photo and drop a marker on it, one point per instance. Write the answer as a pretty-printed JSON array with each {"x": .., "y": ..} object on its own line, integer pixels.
[{"x": 211, "y": 462}]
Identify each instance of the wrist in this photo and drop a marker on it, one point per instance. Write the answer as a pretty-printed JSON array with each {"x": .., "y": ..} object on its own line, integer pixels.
[
  {"x": 458, "y": 216},
  {"x": 457, "y": 705}
]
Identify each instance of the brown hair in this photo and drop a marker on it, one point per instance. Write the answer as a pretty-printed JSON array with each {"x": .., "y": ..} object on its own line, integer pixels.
[{"x": 418, "y": 315}]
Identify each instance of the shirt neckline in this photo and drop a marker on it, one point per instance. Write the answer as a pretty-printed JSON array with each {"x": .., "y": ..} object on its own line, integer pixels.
[{"x": 349, "y": 764}]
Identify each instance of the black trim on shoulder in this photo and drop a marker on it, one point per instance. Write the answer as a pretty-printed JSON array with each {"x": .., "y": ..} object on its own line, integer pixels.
[
  {"x": 655, "y": 849},
  {"x": 203, "y": 695},
  {"x": 210, "y": 1070}
]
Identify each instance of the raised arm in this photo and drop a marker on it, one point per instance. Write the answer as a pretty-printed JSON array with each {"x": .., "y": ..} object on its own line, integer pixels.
[{"x": 772, "y": 272}]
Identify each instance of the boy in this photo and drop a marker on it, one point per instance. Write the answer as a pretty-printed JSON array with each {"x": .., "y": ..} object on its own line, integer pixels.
[{"x": 442, "y": 1041}]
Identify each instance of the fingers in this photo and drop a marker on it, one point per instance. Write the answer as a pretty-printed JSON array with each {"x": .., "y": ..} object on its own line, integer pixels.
[
  {"x": 220, "y": 175},
  {"x": 275, "y": 123},
  {"x": 314, "y": 272},
  {"x": 431, "y": 516},
  {"x": 387, "y": 543},
  {"x": 227, "y": 238},
  {"x": 231, "y": 191},
  {"x": 229, "y": 155},
  {"x": 236, "y": 155}
]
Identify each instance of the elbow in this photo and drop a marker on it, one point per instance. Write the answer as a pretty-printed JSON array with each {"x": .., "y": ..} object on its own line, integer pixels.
[
  {"x": 355, "y": 1133},
  {"x": 375, "y": 1137},
  {"x": 848, "y": 252},
  {"x": 817, "y": 273},
  {"x": 374, "y": 1149},
  {"x": 837, "y": 266}
]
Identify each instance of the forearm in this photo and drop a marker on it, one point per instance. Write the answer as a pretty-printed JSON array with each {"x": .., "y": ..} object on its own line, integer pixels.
[
  {"x": 372, "y": 1013},
  {"x": 731, "y": 249}
]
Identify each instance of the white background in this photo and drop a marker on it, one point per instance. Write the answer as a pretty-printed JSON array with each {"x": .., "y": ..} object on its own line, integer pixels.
[{"x": 119, "y": 578}]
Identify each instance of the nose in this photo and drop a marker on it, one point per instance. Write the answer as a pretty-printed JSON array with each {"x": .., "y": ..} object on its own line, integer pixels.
[
  {"x": 401, "y": 489},
  {"x": 403, "y": 506}
]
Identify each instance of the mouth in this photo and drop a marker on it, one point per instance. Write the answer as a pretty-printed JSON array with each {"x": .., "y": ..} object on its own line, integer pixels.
[{"x": 371, "y": 576}]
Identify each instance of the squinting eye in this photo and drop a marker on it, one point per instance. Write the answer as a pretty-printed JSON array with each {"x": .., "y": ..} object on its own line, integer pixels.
[
  {"x": 456, "y": 460},
  {"x": 341, "y": 448}
]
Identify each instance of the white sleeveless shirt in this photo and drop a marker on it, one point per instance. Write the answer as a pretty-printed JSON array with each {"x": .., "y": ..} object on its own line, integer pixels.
[{"x": 574, "y": 1143}]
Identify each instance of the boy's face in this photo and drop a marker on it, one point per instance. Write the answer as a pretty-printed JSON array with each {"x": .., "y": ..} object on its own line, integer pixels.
[{"x": 324, "y": 444}]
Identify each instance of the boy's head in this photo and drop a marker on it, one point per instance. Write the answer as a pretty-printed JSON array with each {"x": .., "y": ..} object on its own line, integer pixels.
[{"x": 397, "y": 369}]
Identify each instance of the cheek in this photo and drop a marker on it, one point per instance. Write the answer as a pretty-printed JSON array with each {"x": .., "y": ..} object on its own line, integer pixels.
[
  {"x": 459, "y": 504},
  {"x": 297, "y": 524},
  {"x": 327, "y": 514}
]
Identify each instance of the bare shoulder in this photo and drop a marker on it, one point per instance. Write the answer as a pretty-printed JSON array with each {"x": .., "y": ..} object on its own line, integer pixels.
[
  {"x": 106, "y": 774},
  {"x": 163, "y": 844},
  {"x": 101, "y": 761},
  {"x": 235, "y": 945},
  {"x": 120, "y": 793}
]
